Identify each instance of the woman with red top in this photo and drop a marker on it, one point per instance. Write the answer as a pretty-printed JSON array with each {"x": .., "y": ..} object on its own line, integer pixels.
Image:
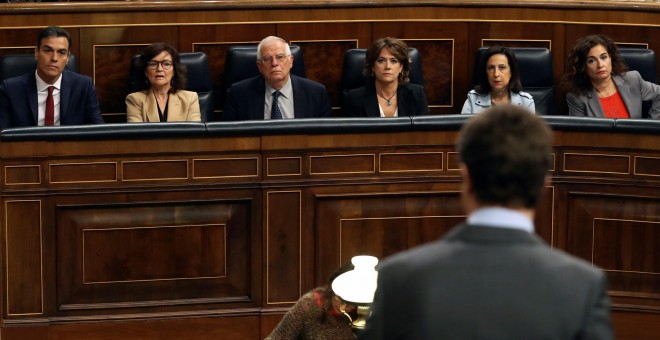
[
  {"x": 600, "y": 85},
  {"x": 319, "y": 314}
]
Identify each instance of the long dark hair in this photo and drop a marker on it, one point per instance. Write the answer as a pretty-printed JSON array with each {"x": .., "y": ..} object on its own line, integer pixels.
[
  {"x": 179, "y": 77},
  {"x": 483, "y": 87},
  {"x": 577, "y": 80}
]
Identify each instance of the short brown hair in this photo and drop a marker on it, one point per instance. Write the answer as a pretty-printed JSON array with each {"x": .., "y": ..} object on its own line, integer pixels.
[{"x": 508, "y": 152}]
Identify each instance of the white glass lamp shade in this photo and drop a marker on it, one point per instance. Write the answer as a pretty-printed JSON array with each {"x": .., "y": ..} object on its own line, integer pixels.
[{"x": 357, "y": 286}]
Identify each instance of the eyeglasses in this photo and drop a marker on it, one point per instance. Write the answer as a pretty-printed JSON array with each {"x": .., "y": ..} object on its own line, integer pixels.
[
  {"x": 279, "y": 57},
  {"x": 166, "y": 64}
]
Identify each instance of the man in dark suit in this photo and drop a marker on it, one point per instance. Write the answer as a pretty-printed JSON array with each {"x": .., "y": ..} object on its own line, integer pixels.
[
  {"x": 51, "y": 95},
  {"x": 276, "y": 94},
  {"x": 492, "y": 277}
]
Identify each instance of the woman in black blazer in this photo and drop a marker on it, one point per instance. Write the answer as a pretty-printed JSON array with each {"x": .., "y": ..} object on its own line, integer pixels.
[{"x": 388, "y": 92}]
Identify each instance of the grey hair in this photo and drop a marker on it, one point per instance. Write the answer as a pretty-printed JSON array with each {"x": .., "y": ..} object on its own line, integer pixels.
[{"x": 269, "y": 39}]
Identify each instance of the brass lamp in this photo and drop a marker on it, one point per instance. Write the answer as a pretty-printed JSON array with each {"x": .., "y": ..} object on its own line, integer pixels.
[{"x": 357, "y": 287}]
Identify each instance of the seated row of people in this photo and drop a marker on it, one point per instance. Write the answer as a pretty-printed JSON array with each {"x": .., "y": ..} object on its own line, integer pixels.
[{"x": 598, "y": 85}]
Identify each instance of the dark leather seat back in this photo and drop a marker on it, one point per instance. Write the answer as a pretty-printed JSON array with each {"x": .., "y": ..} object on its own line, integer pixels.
[
  {"x": 536, "y": 75},
  {"x": 240, "y": 64},
  {"x": 198, "y": 80},
  {"x": 14, "y": 65},
  {"x": 643, "y": 61},
  {"x": 352, "y": 77}
]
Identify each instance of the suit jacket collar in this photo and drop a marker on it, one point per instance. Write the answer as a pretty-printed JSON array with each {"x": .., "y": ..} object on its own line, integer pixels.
[
  {"x": 624, "y": 91},
  {"x": 33, "y": 98},
  {"x": 404, "y": 106},
  {"x": 174, "y": 112},
  {"x": 490, "y": 235},
  {"x": 65, "y": 96}
]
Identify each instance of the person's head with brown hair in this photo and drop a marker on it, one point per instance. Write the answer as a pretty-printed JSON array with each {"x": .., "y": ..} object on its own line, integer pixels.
[
  {"x": 387, "y": 60},
  {"x": 593, "y": 58},
  {"x": 162, "y": 67},
  {"x": 505, "y": 154}
]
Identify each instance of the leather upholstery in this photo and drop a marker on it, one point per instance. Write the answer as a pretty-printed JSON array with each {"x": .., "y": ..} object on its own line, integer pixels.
[
  {"x": 352, "y": 77},
  {"x": 240, "y": 64},
  {"x": 643, "y": 61},
  {"x": 198, "y": 76},
  {"x": 14, "y": 65},
  {"x": 536, "y": 75}
]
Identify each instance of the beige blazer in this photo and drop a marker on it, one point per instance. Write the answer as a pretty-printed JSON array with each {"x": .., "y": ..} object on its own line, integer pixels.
[{"x": 183, "y": 106}]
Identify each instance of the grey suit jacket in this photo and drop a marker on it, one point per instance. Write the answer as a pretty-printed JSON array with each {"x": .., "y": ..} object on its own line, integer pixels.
[
  {"x": 488, "y": 283},
  {"x": 633, "y": 90}
]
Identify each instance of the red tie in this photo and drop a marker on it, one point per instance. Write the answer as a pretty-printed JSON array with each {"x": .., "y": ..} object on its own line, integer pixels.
[{"x": 50, "y": 108}]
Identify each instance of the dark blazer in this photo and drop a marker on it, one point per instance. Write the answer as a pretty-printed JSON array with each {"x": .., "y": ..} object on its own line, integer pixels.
[
  {"x": 633, "y": 90},
  {"x": 363, "y": 101},
  {"x": 78, "y": 101},
  {"x": 488, "y": 283},
  {"x": 245, "y": 99}
]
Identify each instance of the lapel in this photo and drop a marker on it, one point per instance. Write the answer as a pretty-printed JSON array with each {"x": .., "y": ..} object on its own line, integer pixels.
[
  {"x": 260, "y": 90},
  {"x": 174, "y": 112},
  {"x": 33, "y": 97},
  {"x": 625, "y": 93},
  {"x": 299, "y": 100},
  {"x": 370, "y": 98},
  {"x": 593, "y": 104},
  {"x": 65, "y": 96},
  {"x": 151, "y": 107}
]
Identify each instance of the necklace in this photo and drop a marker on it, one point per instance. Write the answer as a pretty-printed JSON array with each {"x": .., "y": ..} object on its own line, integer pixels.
[{"x": 388, "y": 100}]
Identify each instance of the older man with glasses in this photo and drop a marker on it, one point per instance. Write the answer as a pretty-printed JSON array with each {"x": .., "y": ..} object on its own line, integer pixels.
[{"x": 276, "y": 93}]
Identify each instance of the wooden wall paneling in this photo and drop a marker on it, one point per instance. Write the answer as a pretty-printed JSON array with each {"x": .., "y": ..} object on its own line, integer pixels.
[
  {"x": 442, "y": 46},
  {"x": 544, "y": 220},
  {"x": 203, "y": 255},
  {"x": 24, "y": 258},
  {"x": 324, "y": 64},
  {"x": 323, "y": 46},
  {"x": 604, "y": 228},
  {"x": 235, "y": 328},
  {"x": 283, "y": 236},
  {"x": 214, "y": 40},
  {"x": 380, "y": 221}
]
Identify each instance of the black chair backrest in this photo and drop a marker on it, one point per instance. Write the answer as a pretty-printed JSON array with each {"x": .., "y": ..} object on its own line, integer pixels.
[
  {"x": 643, "y": 61},
  {"x": 241, "y": 63},
  {"x": 352, "y": 76},
  {"x": 536, "y": 75},
  {"x": 13, "y": 65},
  {"x": 199, "y": 80}
]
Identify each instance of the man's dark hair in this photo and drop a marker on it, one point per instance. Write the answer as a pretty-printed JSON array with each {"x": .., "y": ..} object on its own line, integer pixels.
[
  {"x": 507, "y": 151},
  {"x": 53, "y": 31}
]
